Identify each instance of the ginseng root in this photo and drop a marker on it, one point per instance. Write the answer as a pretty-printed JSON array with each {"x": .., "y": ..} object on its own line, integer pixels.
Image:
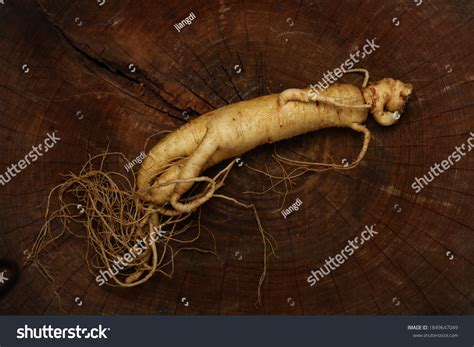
[
  {"x": 235, "y": 129},
  {"x": 116, "y": 210}
]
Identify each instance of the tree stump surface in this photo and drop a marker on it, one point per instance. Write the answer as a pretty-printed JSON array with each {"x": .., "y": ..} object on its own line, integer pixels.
[{"x": 111, "y": 73}]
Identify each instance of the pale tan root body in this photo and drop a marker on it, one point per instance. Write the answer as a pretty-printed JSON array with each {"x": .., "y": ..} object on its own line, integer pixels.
[{"x": 235, "y": 129}]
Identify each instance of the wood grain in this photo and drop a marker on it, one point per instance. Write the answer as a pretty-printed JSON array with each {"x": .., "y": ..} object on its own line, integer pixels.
[{"x": 79, "y": 55}]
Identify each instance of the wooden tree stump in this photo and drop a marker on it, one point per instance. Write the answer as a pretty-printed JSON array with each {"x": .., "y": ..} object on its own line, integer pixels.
[{"x": 111, "y": 73}]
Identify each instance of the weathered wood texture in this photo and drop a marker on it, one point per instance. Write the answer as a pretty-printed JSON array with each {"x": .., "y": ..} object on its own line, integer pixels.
[{"x": 78, "y": 56}]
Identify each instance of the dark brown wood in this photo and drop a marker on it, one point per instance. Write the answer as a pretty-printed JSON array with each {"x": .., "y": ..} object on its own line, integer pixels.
[{"x": 78, "y": 81}]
